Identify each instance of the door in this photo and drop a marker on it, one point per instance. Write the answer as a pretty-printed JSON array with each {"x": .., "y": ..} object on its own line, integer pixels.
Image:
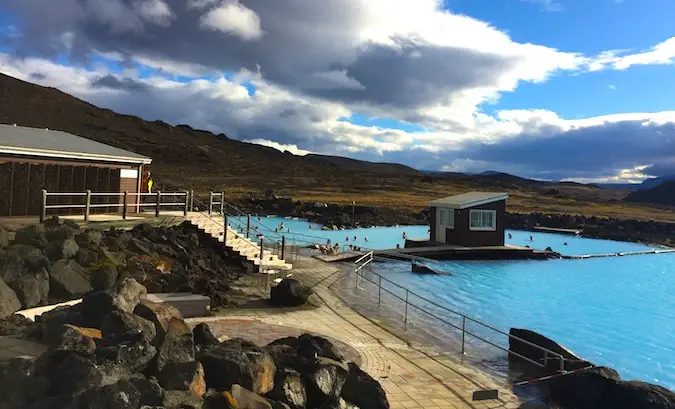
[{"x": 441, "y": 224}]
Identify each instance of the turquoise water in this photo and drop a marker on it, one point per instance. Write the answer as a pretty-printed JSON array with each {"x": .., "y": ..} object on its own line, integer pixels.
[{"x": 615, "y": 311}]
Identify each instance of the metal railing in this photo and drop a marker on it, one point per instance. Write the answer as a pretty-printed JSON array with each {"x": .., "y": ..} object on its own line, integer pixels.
[
  {"x": 116, "y": 200},
  {"x": 216, "y": 199},
  {"x": 368, "y": 258}
]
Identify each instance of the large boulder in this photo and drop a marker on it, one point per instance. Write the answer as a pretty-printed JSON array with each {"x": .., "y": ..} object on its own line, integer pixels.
[
  {"x": 4, "y": 238},
  {"x": 129, "y": 293},
  {"x": 324, "y": 379},
  {"x": 32, "y": 256},
  {"x": 61, "y": 249},
  {"x": 19, "y": 326},
  {"x": 61, "y": 232},
  {"x": 9, "y": 302},
  {"x": 68, "y": 279},
  {"x": 72, "y": 339},
  {"x": 177, "y": 346},
  {"x": 120, "y": 326},
  {"x": 52, "y": 321},
  {"x": 86, "y": 257},
  {"x": 247, "y": 399},
  {"x": 151, "y": 392},
  {"x": 11, "y": 267},
  {"x": 89, "y": 238},
  {"x": 290, "y": 293},
  {"x": 159, "y": 314},
  {"x": 203, "y": 336},
  {"x": 104, "y": 277},
  {"x": 361, "y": 390},
  {"x": 17, "y": 388},
  {"x": 234, "y": 362},
  {"x": 32, "y": 289},
  {"x": 602, "y": 388},
  {"x": 120, "y": 395},
  {"x": 33, "y": 235},
  {"x": 289, "y": 388},
  {"x": 520, "y": 343},
  {"x": 183, "y": 376}
]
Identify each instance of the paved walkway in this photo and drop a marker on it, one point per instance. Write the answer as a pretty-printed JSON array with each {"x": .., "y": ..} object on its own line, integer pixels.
[{"x": 412, "y": 376}]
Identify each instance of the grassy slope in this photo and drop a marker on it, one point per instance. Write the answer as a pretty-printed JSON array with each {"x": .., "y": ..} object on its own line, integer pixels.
[{"x": 203, "y": 161}]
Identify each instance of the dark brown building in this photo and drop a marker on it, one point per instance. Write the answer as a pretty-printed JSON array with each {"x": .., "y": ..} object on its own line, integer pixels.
[
  {"x": 33, "y": 159},
  {"x": 469, "y": 219}
]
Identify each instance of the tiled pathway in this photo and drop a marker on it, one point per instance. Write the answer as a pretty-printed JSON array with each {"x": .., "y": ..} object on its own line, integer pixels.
[{"x": 412, "y": 377}]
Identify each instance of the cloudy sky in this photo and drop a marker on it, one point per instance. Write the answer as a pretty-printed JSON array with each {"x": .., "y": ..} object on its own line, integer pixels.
[{"x": 551, "y": 89}]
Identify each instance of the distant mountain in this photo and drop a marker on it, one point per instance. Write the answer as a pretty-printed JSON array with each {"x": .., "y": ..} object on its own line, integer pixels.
[
  {"x": 646, "y": 184},
  {"x": 653, "y": 182},
  {"x": 663, "y": 194}
]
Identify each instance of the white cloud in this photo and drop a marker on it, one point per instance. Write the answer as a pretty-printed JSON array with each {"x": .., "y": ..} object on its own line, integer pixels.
[
  {"x": 233, "y": 18},
  {"x": 281, "y": 147},
  {"x": 547, "y": 5},
  {"x": 611, "y": 86}
]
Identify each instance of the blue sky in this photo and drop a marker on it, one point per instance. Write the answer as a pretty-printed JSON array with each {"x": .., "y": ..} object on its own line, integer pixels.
[{"x": 456, "y": 85}]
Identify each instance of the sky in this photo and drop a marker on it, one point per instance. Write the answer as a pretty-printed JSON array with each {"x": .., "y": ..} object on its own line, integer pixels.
[{"x": 548, "y": 89}]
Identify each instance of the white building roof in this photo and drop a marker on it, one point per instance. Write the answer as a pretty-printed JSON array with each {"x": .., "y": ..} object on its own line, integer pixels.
[
  {"x": 469, "y": 199},
  {"x": 20, "y": 140}
]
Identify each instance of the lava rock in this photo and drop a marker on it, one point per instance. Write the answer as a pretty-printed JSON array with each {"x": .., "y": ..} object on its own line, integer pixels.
[
  {"x": 152, "y": 394},
  {"x": 32, "y": 256},
  {"x": 4, "y": 238},
  {"x": 183, "y": 376},
  {"x": 361, "y": 390},
  {"x": 19, "y": 326},
  {"x": 89, "y": 238},
  {"x": 33, "y": 235},
  {"x": 52, "y": 321},
  {"x": 182, "y": 400},
  {"x": 69, "y": 279},
  {"x": 86, "y": 257},
  {"x": 177, "y": 346},
  {"x": 247, "y": 399},
  {"x": 290, "y": 293},
  {"x": 120, "y": 395},
  {"x": 324, "y": 379},
  {"x": 32, "y": 289},
  {"x": 9, "y": 302},
  {"x": 203, "y": 336},
  {"x": 234, "y": 362},
  {"x": 72, "y": 339},
  {"x": 159, "y": 314},
  {"x": 289, "y": 388},
  {"x": 104, "y": 277},
  {"x": 120, "y": 326},
  {"x": 128, "y": 294},
  {"x": 137, "y": 354},
  {"x": 11, "y": 267}
]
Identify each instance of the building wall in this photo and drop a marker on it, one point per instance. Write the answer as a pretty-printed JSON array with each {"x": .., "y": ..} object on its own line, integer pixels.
[
  {"x": 461, "y": 235},
  {"x": 22, "y": 180},
  {"x": 433, "y": 223}
]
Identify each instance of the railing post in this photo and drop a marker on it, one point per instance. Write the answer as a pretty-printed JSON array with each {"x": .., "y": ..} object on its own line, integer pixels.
[
  {"x": 187, "y": 203},
  {"x": 463, "y": 332},
  {"x": 222, "y": 202},
  {"x": 125, "y": 205},
  {"x": 405, "y": 317},
  {"x": 192, "y": 200},
  {"x": 159, "y": 201},
  {"x": 225, "y": 230},
  {"x": 379, "y": 290},
  {"x": 87, "y": 206},
  {"x": 248, "y": 226},
  {"x": 261, "y": 251},
  {"x": 43, "y": 206},
  {"x": 283, "y": 247},
  {"x": 210, "y": 202}
]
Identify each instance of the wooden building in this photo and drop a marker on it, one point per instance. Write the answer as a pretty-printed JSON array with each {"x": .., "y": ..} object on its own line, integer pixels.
[
  {"x": 469, "y": 219},
  {"x": 33, "y": 159}
]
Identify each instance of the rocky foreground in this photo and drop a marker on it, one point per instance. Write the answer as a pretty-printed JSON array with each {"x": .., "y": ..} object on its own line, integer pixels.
[
  {"x": 116, "y": 350},
  {"x": 57, "y": 261}
]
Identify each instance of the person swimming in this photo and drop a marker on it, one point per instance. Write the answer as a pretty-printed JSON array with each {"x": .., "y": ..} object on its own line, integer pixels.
[
  {"x": 347, "y": 238},
  {"x": 365, "y": 239},
  {"x": 510, "y": 236},
  {"x": 405, "y": 236},
  {"x": 354, "y": 238},
  {"x": 565, "y": 243},
  {"x": 531, "y": 238}
]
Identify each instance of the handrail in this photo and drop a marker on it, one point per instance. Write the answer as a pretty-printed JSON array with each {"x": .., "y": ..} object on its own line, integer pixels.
[
  {"x": 368, "y": 257},
  {"x": 157, "y": 204}
]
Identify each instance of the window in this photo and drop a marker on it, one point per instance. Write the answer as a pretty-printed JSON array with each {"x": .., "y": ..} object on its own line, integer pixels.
[
  {"x": 483, "y": 220},
  {"x": 442, "y": 217}
]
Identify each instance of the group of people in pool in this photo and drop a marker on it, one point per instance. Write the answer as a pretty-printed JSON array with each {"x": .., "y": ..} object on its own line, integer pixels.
[{"x": 530, "y": 239}]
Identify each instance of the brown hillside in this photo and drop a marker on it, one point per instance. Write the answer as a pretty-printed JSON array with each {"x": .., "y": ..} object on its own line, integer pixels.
[{"x": 201, "y": 160}]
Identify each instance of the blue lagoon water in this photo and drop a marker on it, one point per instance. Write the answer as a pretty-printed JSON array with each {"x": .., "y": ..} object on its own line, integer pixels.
[{"x": 615, "y": 311}]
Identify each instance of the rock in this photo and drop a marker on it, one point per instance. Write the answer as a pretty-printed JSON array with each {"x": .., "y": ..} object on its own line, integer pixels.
[
  {"x": 232, "y": 363},
  {"x": 9, "y": 302},
  {"x": 32, "y": 256},
  {"x": 89, "y": 238},
  {"x": 522, "y": 348},
  {"x": 120, "y": 395},
  {"x": 203, "y": 336},
  {"x": 361, "y": 390},
  {"x": 181, "y": 400},
  {"x": 86, "y": 257},
  {"x": 19, "y": 326},
  {"x": 61, "y": 233},
  {"x": 120, "y": 326},
  {"x": 151, "y": 392},
  {"x": 52, "y": 321},
  {"x": 138, "y": 247},
  {"x": 601, "y": 388},
  {"x": 104, "y": 277},
  {"x": 220, "y": 400},
  {"x": 68, "y": 279},
  {"x": 290, "y": 293},
  {"x": 114, "y": 257},
  {"x": 33, "y": 235},
  {"x": 324, "y": 379},
  {"x": 183, "y": 376},
  {"x": 67, "y": 373},
  {"x": 247, "y": 399},
  {"x": 17, "y": 388},
  {"x": 177, "y": 346},
  {"x": 76, "y": 340},
  {"x": 4, "y": 238},
  {"x": 159, "y": 314},
  {"x": 32, "y": 289},
  {"x": 289, "y": 389},
  {"x": 11, "y": 267},
  {"x": 137, "y": 354},
  {"x": 128, "y": 294},
  {"x": 282, "y": 355}
]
